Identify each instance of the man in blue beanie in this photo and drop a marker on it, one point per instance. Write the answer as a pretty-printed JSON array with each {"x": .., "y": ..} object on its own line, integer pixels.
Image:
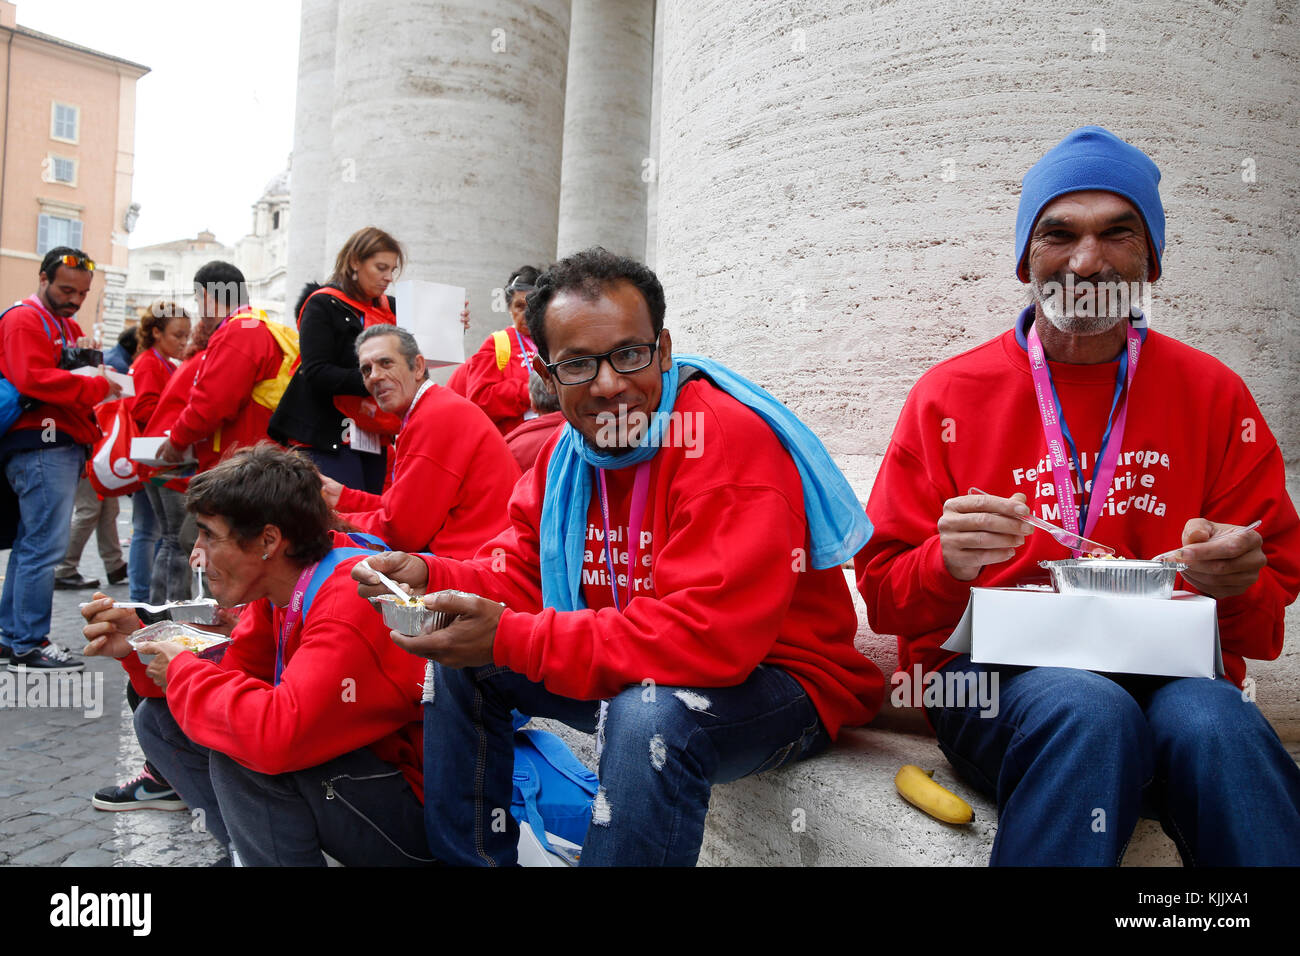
[{"x": 1084, "y": 417}]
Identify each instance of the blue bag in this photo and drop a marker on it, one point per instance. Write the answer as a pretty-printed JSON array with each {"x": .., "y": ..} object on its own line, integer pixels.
[
  {"x": 13, "y": 404},
  {"x": 553, "y": 788}
]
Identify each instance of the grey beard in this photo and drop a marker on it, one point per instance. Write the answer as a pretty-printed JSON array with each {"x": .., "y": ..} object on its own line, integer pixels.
[{"x": 1112, "y": 301}]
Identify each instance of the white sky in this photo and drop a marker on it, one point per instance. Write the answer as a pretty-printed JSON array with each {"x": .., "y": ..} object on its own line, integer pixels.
[{"x": 214, "y": 116}]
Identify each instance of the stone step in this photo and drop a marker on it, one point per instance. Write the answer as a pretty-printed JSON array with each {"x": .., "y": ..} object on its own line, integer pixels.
[{"x": 841, "y": 808}]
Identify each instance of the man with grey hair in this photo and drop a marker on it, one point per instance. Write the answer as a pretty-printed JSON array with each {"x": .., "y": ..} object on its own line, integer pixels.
[{"x": 451, "y": 475}]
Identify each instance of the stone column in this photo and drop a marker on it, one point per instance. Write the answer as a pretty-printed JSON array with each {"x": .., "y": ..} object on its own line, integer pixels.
[
  {"x": 447, "y": 131},
  {"x": 607, "y": 127},
  {"x": 652, "y": 187},
  {"x": 838, "y": 187},
  {"x": 310, "y": 173}
]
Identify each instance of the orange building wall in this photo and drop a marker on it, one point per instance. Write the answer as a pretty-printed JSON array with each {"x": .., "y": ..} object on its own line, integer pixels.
[{"x": 33, "y": 75}]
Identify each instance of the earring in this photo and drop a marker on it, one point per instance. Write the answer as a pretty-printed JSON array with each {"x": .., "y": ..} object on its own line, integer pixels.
[
  {"x": 354, "y": 275},
  {"x": 265, "y": 556}
]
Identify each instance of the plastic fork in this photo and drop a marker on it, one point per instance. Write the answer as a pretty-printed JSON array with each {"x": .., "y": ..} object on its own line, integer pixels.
[
  {"x": 390, "y": 584},
  {"x": 1075, "y": 542},
  {"x": 1164, "y": 555},
  {"x": 154, "y": 608}
]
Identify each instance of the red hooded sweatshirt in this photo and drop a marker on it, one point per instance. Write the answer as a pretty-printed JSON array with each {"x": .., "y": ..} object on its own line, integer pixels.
[
  {"x": 152, "y": 371},
  {"x": 1196, "y": 446},
  {"x": 29, "y": 358},
  {"x": 722, "y": 582},
  {"x": 345, "y": 685},
  {"x": 502, "y": 393},
  {"x": 451, "y": 481},
  {"x": 241, "y": 353}
]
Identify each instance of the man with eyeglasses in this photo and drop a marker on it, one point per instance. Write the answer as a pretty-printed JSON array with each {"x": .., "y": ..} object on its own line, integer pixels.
[
  {"x": 452, "y": 474},
  {"x": 670, "y": 581},
  {"x": 44, "y": 451},
  {"x": 495, "y": 378}
]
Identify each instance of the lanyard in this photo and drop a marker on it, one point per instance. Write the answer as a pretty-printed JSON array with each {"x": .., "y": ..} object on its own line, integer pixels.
[
  {"x": 60, "y": 323},
  {"x": 1058, "y": 435},
  {"x": 525, "y": 353},
  {"x": 392, "y": 472},
  {"x": 640, "y": 491},
  {"x": 166, "y": 362},
  {"x": 292, "y": 616},
  {"x": 242, "y": 310}
]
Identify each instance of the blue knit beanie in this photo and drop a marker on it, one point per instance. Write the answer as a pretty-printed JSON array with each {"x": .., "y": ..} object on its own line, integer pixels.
[{"x": 1092, "y": 158}]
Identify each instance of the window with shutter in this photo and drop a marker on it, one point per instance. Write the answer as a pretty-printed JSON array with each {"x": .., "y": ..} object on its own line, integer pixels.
[{"x": 54, "y": 231}]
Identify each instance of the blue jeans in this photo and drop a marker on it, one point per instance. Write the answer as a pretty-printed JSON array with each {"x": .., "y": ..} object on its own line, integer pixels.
[
  {"x": 170, "y": 578},
  {"x": 144, "y": 545},
  {"x": 45, "y": 482},
  {"x": 357, "y": 808},
  {"x": 1073, "y": 758},
  {"x": 664, "y": 749}
]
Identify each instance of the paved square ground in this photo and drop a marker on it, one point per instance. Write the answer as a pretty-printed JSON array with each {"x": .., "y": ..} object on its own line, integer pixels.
[{"x": 52, "y": 759}]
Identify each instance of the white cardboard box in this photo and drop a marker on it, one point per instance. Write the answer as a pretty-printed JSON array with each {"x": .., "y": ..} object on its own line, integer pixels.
[
  {"x": 1171, "y": 638},
  {"x": 145, "y": 451},
  {"x": 431, "y": 312}
]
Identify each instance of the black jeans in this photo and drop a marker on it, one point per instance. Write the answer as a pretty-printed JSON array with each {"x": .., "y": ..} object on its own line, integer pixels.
[{"x": 357, "y": 808}]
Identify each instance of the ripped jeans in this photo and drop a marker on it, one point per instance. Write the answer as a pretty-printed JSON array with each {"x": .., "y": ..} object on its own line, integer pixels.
[{"x": 664, "y": 748}]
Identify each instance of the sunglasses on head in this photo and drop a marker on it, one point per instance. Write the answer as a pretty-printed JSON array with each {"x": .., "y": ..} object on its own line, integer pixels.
[{"x": 76, "y": 262}]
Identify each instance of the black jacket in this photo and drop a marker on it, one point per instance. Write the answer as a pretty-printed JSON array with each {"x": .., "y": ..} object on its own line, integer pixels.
[{"x": 327, "y": 335}]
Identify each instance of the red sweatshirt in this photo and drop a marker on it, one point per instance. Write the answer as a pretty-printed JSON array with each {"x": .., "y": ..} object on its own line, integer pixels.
[
  {"x": 241, "y": 353},
  {"x": 29, "y": 358},
  {"x": 1196, "y": 446},
  {"x": 451, "y": 482},
  {"x": 345, "y": 685},
  {"x": 174, "y": 397},
  {"x": 720, "y": 585},
  {"x": 527, "y": 441},
  {"x": 151, "y": 375},
  {"x": 501, "y": 392}
]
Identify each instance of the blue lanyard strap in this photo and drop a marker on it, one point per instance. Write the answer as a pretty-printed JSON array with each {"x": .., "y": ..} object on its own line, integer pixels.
[{"x": 1105, "y": 438}]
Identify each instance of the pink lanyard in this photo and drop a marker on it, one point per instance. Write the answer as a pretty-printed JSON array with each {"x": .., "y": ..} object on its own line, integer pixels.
[
  {"x": 292, "y": 615},
  {"x": 640, "y": 491},
  {"x": 166, "y": 362},
  {"x": 242, "y": 310},
  {"x": 59, "y": 322},
  {"x": 1056, "y": 440}
]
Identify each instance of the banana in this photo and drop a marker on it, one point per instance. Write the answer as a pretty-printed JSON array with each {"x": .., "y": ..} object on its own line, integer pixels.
[{"x": 923, "y": 793}]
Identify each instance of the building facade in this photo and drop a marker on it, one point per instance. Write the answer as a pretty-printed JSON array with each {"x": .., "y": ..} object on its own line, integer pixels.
[
  {"x": 165, "y": 271},
  {"x": 66, "y": 163}
]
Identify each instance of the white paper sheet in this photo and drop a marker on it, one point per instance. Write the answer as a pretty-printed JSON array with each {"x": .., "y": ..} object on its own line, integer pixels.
[{"x": 431, "y": 312}]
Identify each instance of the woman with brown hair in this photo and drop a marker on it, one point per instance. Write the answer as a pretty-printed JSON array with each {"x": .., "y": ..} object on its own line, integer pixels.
[
  {"x": 325, "y": 409},
  {"x": 164, "y": 332}
]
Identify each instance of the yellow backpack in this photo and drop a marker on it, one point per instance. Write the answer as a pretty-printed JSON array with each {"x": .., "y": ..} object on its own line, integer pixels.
[
  {"x": 269, "y": 391},
  {"x": 501, "y": 341}
]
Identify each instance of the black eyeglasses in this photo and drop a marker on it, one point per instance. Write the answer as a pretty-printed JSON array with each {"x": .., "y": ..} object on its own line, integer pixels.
[{"x": 584, "y": 368}]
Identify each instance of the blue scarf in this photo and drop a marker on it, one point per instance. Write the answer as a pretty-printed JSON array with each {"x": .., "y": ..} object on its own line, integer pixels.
[{"x": 837, "y": 524}]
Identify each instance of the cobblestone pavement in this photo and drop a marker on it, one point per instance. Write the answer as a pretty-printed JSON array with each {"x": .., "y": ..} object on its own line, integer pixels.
[{"x": 52, "y": 759}]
